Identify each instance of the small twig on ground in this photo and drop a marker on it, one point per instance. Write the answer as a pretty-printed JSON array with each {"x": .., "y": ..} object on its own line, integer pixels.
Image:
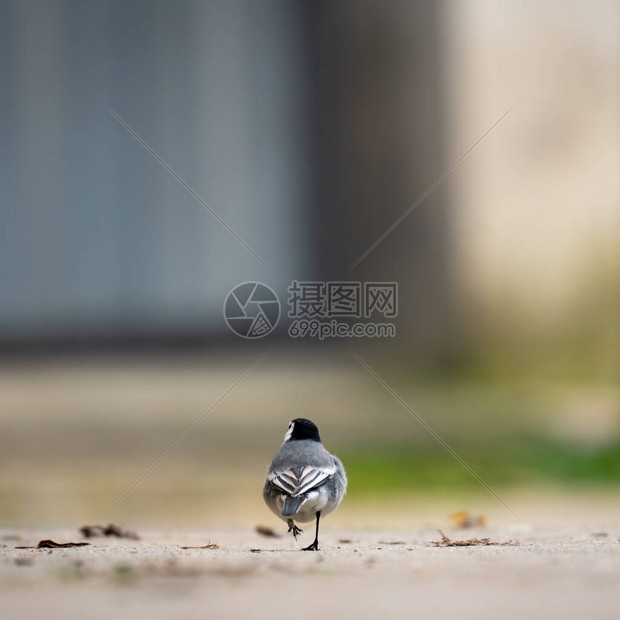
[{"x": 470, "y": 542}]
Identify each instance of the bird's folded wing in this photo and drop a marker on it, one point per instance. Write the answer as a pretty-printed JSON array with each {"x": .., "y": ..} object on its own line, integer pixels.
[{"x": 299, "y": 480}]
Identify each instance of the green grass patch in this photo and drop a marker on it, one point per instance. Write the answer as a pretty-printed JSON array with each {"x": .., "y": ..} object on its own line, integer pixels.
[{"x": 518, "y": 462}]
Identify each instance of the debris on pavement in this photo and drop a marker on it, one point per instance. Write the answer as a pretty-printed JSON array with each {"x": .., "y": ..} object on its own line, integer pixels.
[
  {"x": 92, "y": 531},
  {"x": 470, "y": 542},
  {"x": 269, "y": 532},
  {"x": 51, "y": 544},
  {"x": 464, "y": 519}
]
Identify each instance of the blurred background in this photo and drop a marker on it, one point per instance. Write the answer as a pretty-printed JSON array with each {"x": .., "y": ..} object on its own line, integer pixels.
[{"x": 309, "y": 128}]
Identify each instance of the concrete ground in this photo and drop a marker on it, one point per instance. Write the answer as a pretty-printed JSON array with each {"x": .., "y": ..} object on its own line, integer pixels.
[{"x": 569, "y": 572}]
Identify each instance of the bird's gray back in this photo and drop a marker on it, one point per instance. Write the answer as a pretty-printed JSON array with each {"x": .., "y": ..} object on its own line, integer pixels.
[{"x": 302, "y": 453}]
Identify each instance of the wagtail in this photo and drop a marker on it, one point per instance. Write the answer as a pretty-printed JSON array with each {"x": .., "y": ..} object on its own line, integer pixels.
[{"x": 304, "y": 481}]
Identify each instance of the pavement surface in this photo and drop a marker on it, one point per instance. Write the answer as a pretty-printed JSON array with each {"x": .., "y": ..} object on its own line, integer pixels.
[{"x": 565, "y": 572}]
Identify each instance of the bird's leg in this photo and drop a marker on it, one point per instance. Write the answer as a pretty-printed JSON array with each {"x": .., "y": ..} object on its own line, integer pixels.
[
  {"x": 293, "y": 528},
  {"x": 315, "y": 545}
]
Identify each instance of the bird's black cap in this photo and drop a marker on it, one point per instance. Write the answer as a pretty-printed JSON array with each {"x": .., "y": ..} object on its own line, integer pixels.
[{"x": 301, "y": 428}]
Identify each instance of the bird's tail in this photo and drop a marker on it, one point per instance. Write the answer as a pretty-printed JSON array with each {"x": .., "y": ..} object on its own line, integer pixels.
[{"x": 292, "y": 505}]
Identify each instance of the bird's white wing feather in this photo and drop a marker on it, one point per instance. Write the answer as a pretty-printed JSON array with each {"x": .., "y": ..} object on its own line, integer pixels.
[{"x": 299, "y": 480}]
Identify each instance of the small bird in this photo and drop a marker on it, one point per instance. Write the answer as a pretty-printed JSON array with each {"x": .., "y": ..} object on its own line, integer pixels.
[{"x": 304, "y": 481}]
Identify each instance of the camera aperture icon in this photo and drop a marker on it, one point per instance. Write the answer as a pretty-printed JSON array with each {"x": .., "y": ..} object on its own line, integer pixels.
[{"x": 252, "y": 310}]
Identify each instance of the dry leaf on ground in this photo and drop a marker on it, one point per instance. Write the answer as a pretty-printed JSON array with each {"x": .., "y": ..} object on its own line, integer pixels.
[
  {"x": 464, "y": 519},
  {"x": 91, "y": 531},
  {"x": 51, "y": 544},
  {"x": 264, "y": 530}
]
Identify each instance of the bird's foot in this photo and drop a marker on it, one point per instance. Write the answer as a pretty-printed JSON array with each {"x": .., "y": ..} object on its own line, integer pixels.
[
  {"x": 293, "y": 528},
  {"x": 313, "y": 547}
]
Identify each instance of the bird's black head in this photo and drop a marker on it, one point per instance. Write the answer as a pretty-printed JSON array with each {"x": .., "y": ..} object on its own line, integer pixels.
[{"x": 300, "y": 428}]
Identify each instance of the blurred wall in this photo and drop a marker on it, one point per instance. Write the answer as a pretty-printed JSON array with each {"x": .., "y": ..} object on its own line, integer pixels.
[
  {"x": 311, "y": 128},
  {"x": 379, "y": 96},
  {"x": 308, "y": 127},
  {"x": 537, "y": 204},
  {"x": 96, "y": 236}
]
